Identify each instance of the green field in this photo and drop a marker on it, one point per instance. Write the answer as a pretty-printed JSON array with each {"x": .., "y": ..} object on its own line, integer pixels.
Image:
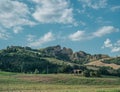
[{"x": 16, "y": 82}]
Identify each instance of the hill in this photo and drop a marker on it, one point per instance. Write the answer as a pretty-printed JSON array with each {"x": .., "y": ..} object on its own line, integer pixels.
[
  {"x": 101, "y": 64},
  {"x": 53, "y": 59},
  {"x": 67, "y": 54},
  {"x": 26, "y": 59}
]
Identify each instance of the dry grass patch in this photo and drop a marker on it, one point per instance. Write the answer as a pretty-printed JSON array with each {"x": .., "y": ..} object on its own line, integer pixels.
[{"x": 99, "y": 63}]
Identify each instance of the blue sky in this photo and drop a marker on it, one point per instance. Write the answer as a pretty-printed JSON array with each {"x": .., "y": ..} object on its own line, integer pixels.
[{"x": 92, "y": 26}]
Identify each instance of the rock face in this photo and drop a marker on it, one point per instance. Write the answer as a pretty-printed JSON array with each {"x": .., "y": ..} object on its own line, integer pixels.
[
  {"x": 53, "y": 59},
  {"x": 67, "y": 54},
  {"x": 58, "y": 52}
]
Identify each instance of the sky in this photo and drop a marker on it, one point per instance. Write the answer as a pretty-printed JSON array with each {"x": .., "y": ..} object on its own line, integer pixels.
[{"x": 92, "y": 26}]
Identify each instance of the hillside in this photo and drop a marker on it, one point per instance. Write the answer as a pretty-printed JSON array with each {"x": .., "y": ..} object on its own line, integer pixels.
[
  {"x": 67, "y": 54},
  {"x": 53, "y": 59},
  {"x": 101, "y": 64},
  {"x": 26, "y": 59}
]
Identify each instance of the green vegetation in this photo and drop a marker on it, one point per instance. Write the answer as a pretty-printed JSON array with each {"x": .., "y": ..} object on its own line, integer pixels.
[
  {"x": 113, "y": 60},
  {"x": 109, "y": 91},
  {"x": 52, "y": 60},
  {"x": 18, "y": 82},
  {"x": 51, "y": 70}
]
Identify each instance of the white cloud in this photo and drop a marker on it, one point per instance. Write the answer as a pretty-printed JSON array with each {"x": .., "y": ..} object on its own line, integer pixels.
[
  {"x": 105, "y": 30},
  {"x": 108, "y": 43},
  {"x": 115, "y": 8},
  {"x": 82, "y": 35},
  {"x": 95, "y": 4},
  {"x": 82, "y": 23},
  {"x": 17, "y": 29},
  {"x": 114, "y": 47},
  {"x": 79, "y": 35},
  {"x": 53, "y": 11},
  {"x": 102, "y": 21},
  {"x": 117, "y": 43},
  {"x": 14, "y": 14},
  {"x": 3, "y": 34},
  {"x": 48, "y": 37}
]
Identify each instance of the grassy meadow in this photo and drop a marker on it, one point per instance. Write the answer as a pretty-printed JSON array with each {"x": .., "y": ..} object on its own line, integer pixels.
[{"x": 17, "y": 82}]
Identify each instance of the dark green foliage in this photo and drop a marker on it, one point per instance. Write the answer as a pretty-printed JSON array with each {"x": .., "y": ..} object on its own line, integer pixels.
[
  {"x": 91, "y": 73},
  {"x": 81, "y": 67},
  {"x": 113, "y": 60},
  {"x": 118, "y": 72},
  {"x": 86, "y": 73},
  {"x": 36, "y": 71},
  {"x": 27, "y": 60},
  {"x": 109, "y": 71},
  {"x": 95, "y": 73},
  {"x": 65, "y": 69},
  {"x": 104, "y": 70},
  {"x": 66, "y": 54}
]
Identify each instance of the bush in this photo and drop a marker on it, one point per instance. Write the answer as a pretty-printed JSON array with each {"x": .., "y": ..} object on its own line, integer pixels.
[
  {"x": 91, "y": 73},
  {"x": 95, "y": 73},
  {"x": 86, "y": 73},
  {"x": 118, "y": 72},
  {"x": 36, "y": 71},
  {"x": 104, "y": 70}
]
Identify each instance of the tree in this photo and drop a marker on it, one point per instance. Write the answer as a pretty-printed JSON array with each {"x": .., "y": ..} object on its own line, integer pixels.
[
  {"x": 36, "y": 71},
  {"x": 104, "y": 70},
  {"x": 92, "y": 73},
  {"x": 118, "y": 72},
  {"x": 86, "y": 73},
  {"x": 22, "y": 66},
  {"x": 95, "y": 73}
]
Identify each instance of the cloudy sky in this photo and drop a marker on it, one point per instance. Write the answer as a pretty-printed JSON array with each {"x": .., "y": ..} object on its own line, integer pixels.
[{"x": 92, "y": 26}]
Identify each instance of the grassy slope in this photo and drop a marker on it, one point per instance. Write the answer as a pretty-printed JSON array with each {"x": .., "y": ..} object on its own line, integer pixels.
[
  {"x": 92, "y": 63},
  {"x": 12, "y": 82},
  {"x": 59, "y": 62},
  {"x": 99, "y": 63}
]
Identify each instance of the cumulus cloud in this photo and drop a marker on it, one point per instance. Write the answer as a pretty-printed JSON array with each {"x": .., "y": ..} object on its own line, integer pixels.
[
  {"x": 3, "y": 34},
  {"x": 14, "y": 14},
  {"x": 101, "y": 20},
  {"x": 105, "y": 30},
  {"x": 17, "y": 30},
  {"x": 115, "y": 8},
  {"x": 94, "y": 4},
  {"x": 48, "y": 37},
  {"x": 82, "y": 35},
  {"x": 53, "y": 11},
  {"x": 79, "y": 35},
  {"x": 114, "y": 47},
  {"x": 117, "y": 43},
  {"x": 108, "y": 43}
]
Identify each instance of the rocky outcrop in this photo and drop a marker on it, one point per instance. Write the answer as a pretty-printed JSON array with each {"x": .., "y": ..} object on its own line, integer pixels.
[{"x": 67, "y": 54}]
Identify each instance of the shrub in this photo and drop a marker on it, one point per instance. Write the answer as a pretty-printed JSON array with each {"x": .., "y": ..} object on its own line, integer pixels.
[
  {"x": 86, "y": 73},
  {"x": 36, "y": 71}
]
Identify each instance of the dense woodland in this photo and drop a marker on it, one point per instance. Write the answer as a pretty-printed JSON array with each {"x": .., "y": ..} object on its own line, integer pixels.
[{"x": 28, "y": 60}]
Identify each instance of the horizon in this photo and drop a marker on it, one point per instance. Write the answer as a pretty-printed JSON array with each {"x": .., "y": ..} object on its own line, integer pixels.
[
  {"x": 87, "y": 25},
  {"x": 62, "y": 48}
]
